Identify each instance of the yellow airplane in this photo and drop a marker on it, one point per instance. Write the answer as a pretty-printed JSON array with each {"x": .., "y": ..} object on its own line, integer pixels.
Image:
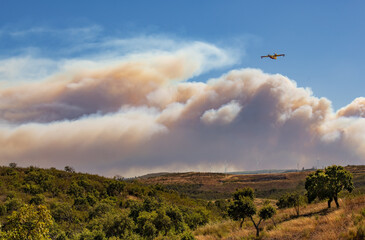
[{"x": 273, "y": 56}]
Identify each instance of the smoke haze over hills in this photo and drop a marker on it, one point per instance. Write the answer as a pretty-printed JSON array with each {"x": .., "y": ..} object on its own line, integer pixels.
[{"x": 145, "y": 112}]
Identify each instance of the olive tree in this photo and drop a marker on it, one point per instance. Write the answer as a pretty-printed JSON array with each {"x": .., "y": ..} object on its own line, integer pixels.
[
  {"x": 241, "y": 208},
  {"x": 244, "y": 207},
  {"x": 328, "y": 183}
]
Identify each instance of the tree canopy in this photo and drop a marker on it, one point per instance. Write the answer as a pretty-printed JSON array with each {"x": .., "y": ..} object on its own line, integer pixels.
[
  {"x": 244, "y": 207},
  {"x": 29, "y": 222},
  {"x": 328, "y": 183}
]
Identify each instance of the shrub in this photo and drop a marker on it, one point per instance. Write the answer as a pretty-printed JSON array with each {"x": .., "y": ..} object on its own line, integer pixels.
[
  {"x": 117, "y": 224},
  {"x": 12, "y": 165},
  {"x": 37, "y": 199},
  {"x": 2, "y": 209},
  {"x": 13, "y": 204},
  {"x": 187, "y": 236},
  {"x": 30, "y": 222},
  {"x": 291, "y": 200},
  {"x": 99, "y": 209},
  {"x": 63, "y": 212},
  {"x": 81, "y": 203},
  {"x": 115, "y": 188}
]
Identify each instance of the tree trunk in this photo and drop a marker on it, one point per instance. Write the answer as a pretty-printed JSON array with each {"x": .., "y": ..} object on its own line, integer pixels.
[
  {"x": 336, "y": 201},
  {"x": 329, "y": 203},
  {"x": 297, "y": 210},
  {"x": 256, "y": 226},
  {"x": 273, "y": 221},
  {"x": 241, "y": 223}
]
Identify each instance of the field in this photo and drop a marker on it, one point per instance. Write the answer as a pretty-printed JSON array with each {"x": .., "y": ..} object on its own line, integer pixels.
[
  {"x": 220, "y": 186},
  {"x": 315, "y": 222}
]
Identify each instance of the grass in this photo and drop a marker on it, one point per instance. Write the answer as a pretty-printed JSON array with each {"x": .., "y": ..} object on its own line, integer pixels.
[
  {"x": 213, "y": 186},
  {"x": 315, "y": 222}
]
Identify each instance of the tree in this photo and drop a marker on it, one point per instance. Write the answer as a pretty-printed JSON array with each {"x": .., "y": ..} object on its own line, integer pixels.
[
  {"x": 29, "y": 222},
  {"x": 266, "y": 212},
  {"x": 242, "y": 201},
  {"x": 244, "y": 192},
  {"x": 117, "y": 224},
  {"x": 69, "y": 169},
  {"x": 328, "y": 184},
  {"x": 12, "y": 165},
  {"x": 291, "y": 200},
  {"x": 244, "y": 207},
  {"x": 241, "y": 209},
  {"x": 115, "y": 188}
]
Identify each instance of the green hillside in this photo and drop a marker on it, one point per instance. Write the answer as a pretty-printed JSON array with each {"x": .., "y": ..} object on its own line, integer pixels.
[{"x": 84, "y": 206}]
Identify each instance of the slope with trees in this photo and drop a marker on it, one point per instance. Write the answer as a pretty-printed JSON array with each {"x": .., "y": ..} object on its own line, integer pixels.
[{"x": 40, "y": 203}]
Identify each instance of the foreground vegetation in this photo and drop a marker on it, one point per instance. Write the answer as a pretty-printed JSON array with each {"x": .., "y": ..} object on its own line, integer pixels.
[
  {"x": 53, "y": 204},
  {"x": 316, "y": 221}
]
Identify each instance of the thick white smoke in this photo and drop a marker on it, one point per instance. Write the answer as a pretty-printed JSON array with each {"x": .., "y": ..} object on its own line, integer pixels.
[{"x": 141, "y": 114}]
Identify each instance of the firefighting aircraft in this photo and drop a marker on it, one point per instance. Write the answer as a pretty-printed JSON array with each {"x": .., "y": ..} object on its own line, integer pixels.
[{"x": 273, "y": 56}]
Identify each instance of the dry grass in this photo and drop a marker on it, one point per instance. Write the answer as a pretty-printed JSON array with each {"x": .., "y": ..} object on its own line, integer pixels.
[
  {"x": 265, "y": 184},
  {"x": 315, "y": 222}
]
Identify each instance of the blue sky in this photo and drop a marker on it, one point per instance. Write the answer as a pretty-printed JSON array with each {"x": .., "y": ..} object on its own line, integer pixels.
[{"x": 322, "y": 40}]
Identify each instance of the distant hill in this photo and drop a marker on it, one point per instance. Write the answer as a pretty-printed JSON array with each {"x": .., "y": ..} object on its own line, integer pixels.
[
  {"x": 267, "y": 185},
  {"x": 266, "y": 171}
]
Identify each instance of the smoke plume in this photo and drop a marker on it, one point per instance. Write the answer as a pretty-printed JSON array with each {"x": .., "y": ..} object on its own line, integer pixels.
[{"x": 145, "y": 112}]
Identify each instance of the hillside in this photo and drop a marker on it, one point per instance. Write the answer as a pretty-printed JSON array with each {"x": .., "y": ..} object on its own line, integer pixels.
[
  {"x": 315, "y": 222},
  {"x": 219, "y": 185},
  {"x": 84, "y": 206}
]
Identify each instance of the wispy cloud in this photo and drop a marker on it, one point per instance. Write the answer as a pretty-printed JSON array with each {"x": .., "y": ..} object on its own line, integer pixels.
[{"x": 80, "y": 32}]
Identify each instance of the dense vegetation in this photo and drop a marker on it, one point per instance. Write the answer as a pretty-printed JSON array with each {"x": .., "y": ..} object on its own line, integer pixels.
[
  {"x": 40, "y": 203},
  {"x": 52, "y": 204}
]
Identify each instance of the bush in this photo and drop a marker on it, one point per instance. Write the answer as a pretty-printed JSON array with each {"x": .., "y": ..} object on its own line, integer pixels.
[
  {"x": 63, "y": 212},
  {"x": 291, "y": 200},
  {"x": 187, "y": 236},
  {"x": 32, "y": 189},
  {"x": 2, "y": 209},
  {"x": 37, "y": 199},
  {"x": 118, "y": 224},
  {"x": 29, "y": 222},
  {"x": 12, "y": 165},
  {"x": 81, "y": 203},
  {"x": 69, "y": 169},
  {"x": 115, "y": 188},
  {"x": 13, "y": 204},
  {"x": 99, "y": 209},
  {"x": 195, "y": 218},
  {"x": 91, "y": 235}
]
